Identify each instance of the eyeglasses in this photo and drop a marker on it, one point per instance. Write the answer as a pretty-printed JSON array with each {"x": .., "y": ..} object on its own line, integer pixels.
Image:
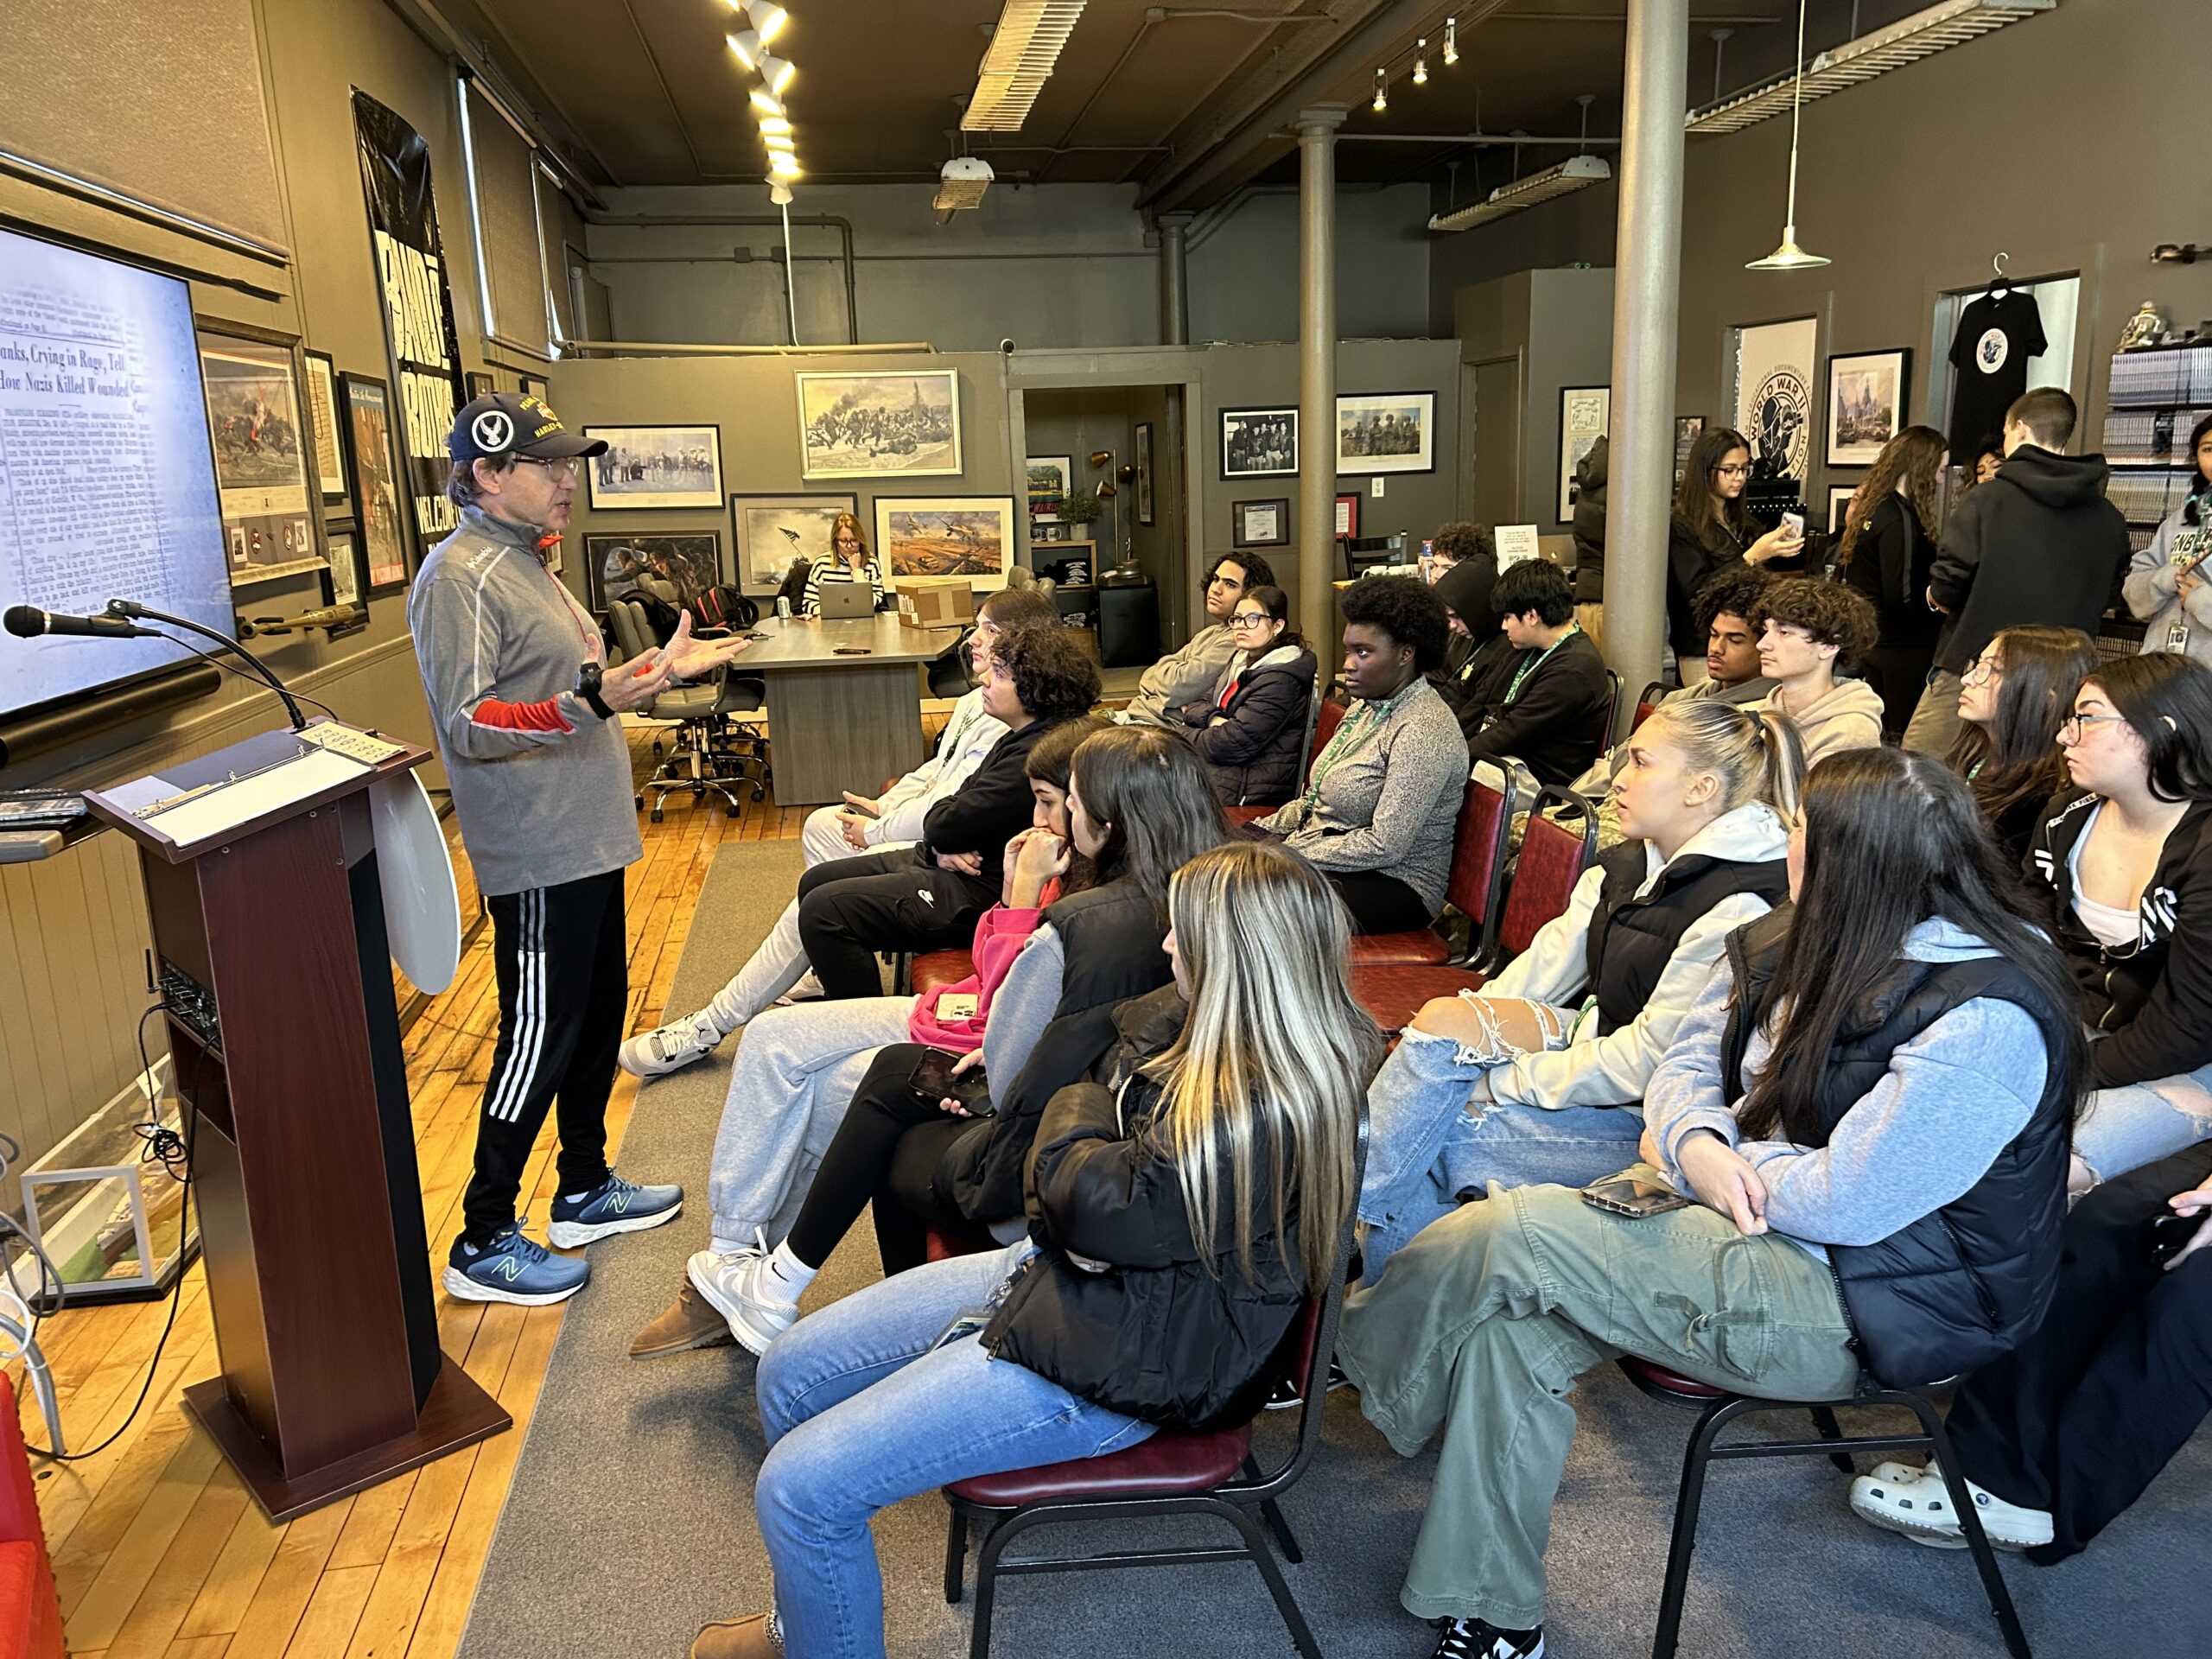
[
  {"x": 1733, "y": 472},
  {"x": 2071, "y": 729},
  {"x": 1982, "y": 672},
  {"x": 559, "y": 472},
  {"x": 1250, "y": 619}
]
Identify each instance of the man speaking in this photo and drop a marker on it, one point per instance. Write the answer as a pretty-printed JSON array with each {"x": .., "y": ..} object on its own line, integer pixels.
[{"x": 524, "y": 709}]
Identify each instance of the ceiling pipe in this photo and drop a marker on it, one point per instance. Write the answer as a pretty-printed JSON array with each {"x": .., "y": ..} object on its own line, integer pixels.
[
  {"x": 690, "y": 348},
  {"x": 1269, "y": 19},
  {"x": 1473, "y": 140}
]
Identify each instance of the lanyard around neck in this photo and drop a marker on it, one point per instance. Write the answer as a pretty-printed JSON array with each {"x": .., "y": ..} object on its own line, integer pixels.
[{"x": 1521, "y": 673}]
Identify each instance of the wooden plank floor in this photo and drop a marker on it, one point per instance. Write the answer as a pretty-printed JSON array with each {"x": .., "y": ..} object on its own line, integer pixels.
[{"x": 157, "y": 1550}]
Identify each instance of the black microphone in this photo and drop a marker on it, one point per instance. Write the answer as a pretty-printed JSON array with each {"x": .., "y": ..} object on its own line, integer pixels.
[
  {"x": 27, "y": 622},
  {"x": 121, "y": 610}
]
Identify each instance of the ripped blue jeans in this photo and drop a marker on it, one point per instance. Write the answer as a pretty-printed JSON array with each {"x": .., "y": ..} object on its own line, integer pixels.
[{"x": 2138, "y": 1124}]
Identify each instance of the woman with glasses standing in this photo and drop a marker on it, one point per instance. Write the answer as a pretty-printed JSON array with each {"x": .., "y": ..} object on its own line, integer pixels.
[
  {"x": 848, "y": 561},
  {"x": 1250, "y": 731},
  {"x": 1712, "y": 534},
  {"x": 2126, "y": 858}
]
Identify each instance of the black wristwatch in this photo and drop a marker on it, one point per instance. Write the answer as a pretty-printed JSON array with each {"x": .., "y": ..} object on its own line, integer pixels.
[{"x": 588, "y": 679}]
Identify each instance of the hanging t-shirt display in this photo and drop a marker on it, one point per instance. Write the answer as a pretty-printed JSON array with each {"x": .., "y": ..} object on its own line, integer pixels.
[{"x": 1998, "y": 333}]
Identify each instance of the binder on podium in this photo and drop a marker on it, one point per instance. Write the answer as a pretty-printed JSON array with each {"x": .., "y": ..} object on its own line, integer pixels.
[{"x": 267, "y": 896}]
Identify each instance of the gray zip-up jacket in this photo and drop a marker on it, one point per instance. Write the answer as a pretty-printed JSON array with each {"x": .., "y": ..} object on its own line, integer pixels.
[{"x": 541, "y": 783}]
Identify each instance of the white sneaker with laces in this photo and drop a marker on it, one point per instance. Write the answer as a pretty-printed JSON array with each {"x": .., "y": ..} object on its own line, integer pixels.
[
  {"x": 739, "y": 1285},
  {"x": 1915, "y": 1502},
  {"x": 656, "y": 1054}
]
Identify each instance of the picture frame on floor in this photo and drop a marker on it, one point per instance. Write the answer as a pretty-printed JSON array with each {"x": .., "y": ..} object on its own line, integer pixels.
[
  {"x": 1259, "y": 442},
  {"x": 970, "y": 536},
  {"x": 673, "y": 566},
  {"x": 664, "y": 467},
  {"x": 902, "y": 424},
  {"x": 1261, "y": 523},
  {"x": 1867, "y": 396},
  {"x": 773, "y": 529},
  {"x": 1386, "y": 432}
]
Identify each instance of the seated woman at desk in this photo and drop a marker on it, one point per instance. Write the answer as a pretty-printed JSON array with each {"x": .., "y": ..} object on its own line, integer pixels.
[{"x": 849, "y": 560}]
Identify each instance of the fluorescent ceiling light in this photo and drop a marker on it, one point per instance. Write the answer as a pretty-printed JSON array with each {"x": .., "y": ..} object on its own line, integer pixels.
[
  {"x": 1952, "y": 23},
  {"x": 775, "y": 73},
  {"x": 960, "y": 183},
  {"x": 1570, "y": 174},
  {"x": 1024, "y": 48}
]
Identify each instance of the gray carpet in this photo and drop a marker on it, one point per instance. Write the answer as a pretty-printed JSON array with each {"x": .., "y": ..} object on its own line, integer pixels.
[{"x": 630, "y": 1522}]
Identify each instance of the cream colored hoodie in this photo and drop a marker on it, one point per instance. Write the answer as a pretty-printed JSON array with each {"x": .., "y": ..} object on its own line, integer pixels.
[{"x": 1849, "y": 717}]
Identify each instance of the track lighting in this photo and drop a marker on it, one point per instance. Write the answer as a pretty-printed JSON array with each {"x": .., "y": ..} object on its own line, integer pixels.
[
  {"x": 779, "y": 141},
  {"x": 775, "y": 73},
  {"x": 768, "y": 18},
  {"x": 778, "y": 192},
  {"x": 1420, "y": 62},
  {"x": 775, "y": 124},
  {"x": 782, "y": 164},
  {"x": 1382, "y": 91},
  {"x": 1450, "y": 41},
  {"x": 746, "y": 43},
  {"x": 766, "y": 102}
]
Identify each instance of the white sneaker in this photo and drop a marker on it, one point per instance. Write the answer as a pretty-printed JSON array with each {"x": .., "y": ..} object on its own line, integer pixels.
[
  {"x": 1916, "y": 1502},
  {"x": 738, "y": 1286},
  {"x": 656, "y": 1054},
  {"x": 808, "y": 989}
]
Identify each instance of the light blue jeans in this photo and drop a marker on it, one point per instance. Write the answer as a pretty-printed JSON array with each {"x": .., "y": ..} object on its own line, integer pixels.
[
  {"x": 862, "y": 1410},
  {"x": 1426, "y": 1144},
  {"x": 2126, "y": 1128}
]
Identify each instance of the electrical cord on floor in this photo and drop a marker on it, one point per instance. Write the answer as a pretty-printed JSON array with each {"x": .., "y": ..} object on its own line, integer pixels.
[{"x": 172, "y": 1152}]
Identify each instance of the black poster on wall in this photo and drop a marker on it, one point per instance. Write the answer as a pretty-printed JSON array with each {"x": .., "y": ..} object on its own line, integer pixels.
[{"x": 418, "y": 327}]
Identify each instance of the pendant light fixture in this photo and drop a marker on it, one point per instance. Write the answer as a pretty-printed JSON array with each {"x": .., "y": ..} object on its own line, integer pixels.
[
  {"x": 1790, "y": 256},
  {"x": 1450, "y": 40},
  {"x": 1382, "y": 91},
  {"x": 1421, "y": 63}
]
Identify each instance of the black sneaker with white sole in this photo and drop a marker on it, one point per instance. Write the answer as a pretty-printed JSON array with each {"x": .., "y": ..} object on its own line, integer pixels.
[
  {"x": 1285, "y": 1395},
  {"x": 1478, "y": 1638}
]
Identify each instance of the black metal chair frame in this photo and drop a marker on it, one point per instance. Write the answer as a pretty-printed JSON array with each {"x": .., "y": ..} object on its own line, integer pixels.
[
  {"x": 1715, "y": 1412},
  {"x": 1247, "y": 1503}
]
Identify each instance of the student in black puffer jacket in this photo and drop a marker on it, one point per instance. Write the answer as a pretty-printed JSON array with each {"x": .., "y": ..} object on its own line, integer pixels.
[
  {"x": 1179, "y": 1219},
  {"x": 1251, "y": 730}
]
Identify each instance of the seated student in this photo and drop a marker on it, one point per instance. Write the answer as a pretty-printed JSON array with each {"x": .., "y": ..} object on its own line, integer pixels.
[
  {"x": 1139, "y": 807},
  {"x": 1181, "y": 1208},
  {"x": 797, "y": 1066},
  {"x": 1378, "y": 810},
  {"x": 2056, "y": 1439},
  {"x": 1540, "y": 1077},
  {"x": 850, "y": 561},
  {"x": 1250, "y": 731},
  {"x": 2011, "y": 702},
  {"x": 2125, "y": 857},
  {"x": 925, "y": 896},
  {"x": 1812, "y": 629},
  {"x": 1728, "y": 607},
  {"x": 1476, "y": 647},
  {"x": 1889, "y": 1198},
  {"x": 1547, "y": 709},
  {"x": 1468, "y": 547},
  {"x": 1182, "y": 676}
]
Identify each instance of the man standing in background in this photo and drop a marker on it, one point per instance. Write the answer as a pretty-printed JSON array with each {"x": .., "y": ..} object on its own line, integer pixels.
[{"x": 526, "y": 717}]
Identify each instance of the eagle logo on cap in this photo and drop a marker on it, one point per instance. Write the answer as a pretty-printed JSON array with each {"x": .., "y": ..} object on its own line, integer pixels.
[{"x": 493, "y": 430}]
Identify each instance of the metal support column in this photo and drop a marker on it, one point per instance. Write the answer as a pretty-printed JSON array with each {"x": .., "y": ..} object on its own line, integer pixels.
[
  {"x": 1317, "y": 378},
  {"x": 1174, "y": 285},
  {"x": 1646, "y": 282}
]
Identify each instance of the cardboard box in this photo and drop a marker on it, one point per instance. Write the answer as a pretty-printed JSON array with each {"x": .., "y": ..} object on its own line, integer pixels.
[{"x": 935, "y": 601}]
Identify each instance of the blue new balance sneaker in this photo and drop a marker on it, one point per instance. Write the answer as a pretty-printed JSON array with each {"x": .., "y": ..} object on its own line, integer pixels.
[
  {"x": 614, "y": 1206},
  {"x": 512, "y": 1267}
]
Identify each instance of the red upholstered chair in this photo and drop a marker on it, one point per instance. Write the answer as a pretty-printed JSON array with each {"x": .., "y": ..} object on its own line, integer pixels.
[
  {"x": 1646, "y": 701},
  {"x": 938, "y": 971},
  {"x": 30, "y": 1611},
  {"x": 1477, "y": 871},
  {"x": 1717, "y": 1406},
  {"x": 1613, "y": 686},
  {"x": 1322, "y": 720},
  {"x": 1169, "y": 1474}
]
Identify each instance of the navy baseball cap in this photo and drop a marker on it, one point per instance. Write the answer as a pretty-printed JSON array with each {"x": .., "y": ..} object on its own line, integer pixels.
[{"x": 514, "y": 423}]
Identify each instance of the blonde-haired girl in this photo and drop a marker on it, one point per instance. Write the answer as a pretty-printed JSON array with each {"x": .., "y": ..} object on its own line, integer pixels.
[
  {"x": 1182, "y": 1205},
  {"x": 1540, "y": 1076}
]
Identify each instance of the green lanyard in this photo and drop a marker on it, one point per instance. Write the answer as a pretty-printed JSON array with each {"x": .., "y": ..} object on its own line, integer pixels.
[
  {"x": 1522, "y": 672},
  {"x": 1348, "y": 732}
]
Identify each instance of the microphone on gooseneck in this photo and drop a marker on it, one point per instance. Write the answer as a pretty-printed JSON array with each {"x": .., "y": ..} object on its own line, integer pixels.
[{"x": 28, "y": 622}]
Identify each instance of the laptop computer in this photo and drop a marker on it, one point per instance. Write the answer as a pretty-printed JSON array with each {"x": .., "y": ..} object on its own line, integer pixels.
[{"x": 843, "y": 601}]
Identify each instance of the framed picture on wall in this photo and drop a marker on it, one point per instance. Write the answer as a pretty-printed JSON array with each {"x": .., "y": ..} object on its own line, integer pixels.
[
  {"x": 1144, "y": 472},
  {"x": 1259, "y": 442},
  {"x": 662, "y": 467},
  {"x": 1774, "y": 398},
  {"x": 774, "y": 530},
  {"x": 1586, "y": 415},
  {"x": 479, "y": 385},
  {"x": 264, "y": 445},
  {"x": 533, "y": 386},
  {"x": 675, "y": 567},
  {"x": 1347, "y": 517},
  {"x": 1838, "y": 503},
  {"x": 895, "y": 425},
  {"x": 970, "y": 536},
  {"x": 1048, "y": 487},
  {"x": 1386, "y": 432},
  {"x": 1866, "y": 403},
  {"x": 346, "y": 581},
  {"x": 322, "y": 427},
  {"x": 1689, "y": 428},
  {"x": 371, "y": 471},
  {"x": 1261, "y": 523}
]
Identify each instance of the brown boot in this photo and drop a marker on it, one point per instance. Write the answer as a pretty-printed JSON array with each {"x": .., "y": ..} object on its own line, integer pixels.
[
  {"x": 690, "y": 1322},
  {"x": 740, "y": 1638}
]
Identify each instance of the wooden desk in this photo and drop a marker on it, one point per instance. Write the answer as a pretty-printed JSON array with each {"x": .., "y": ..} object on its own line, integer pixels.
[{"x": 842, "y": 723}]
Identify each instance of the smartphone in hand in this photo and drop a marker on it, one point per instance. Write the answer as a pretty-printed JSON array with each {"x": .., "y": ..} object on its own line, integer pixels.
[{"x": 932, "y": 1079}]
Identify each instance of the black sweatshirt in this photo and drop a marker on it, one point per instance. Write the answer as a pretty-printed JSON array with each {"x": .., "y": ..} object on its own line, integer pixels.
[
  {"x": 1891, "y": 563},
  {"x": 992, "y": 807},
  {"x": 1556, "y": 726}
]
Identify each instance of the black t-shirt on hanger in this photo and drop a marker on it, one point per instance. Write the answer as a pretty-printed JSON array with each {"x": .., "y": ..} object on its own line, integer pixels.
[{"x": 1997, "y": 336}]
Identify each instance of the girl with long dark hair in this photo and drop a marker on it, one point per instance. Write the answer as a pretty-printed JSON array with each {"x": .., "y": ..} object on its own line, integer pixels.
[
  {"x": 1713, "y": 533},
  {"x": 2167, "y": 586},
  {"x": 1250, "y": 729},
  {"x": 1888, "y": 549},
  {"x": 1185, "y": 1203},
  {"x": 2011, "y": 700},
  {"x": 1868, "y": 1108}
]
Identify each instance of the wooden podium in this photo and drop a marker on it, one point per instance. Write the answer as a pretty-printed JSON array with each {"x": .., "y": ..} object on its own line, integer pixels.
[{"x": 271, "y": 950}]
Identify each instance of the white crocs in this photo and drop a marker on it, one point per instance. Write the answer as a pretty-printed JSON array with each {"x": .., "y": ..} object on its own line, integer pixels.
[{"x": 1915, "y": 1502}]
